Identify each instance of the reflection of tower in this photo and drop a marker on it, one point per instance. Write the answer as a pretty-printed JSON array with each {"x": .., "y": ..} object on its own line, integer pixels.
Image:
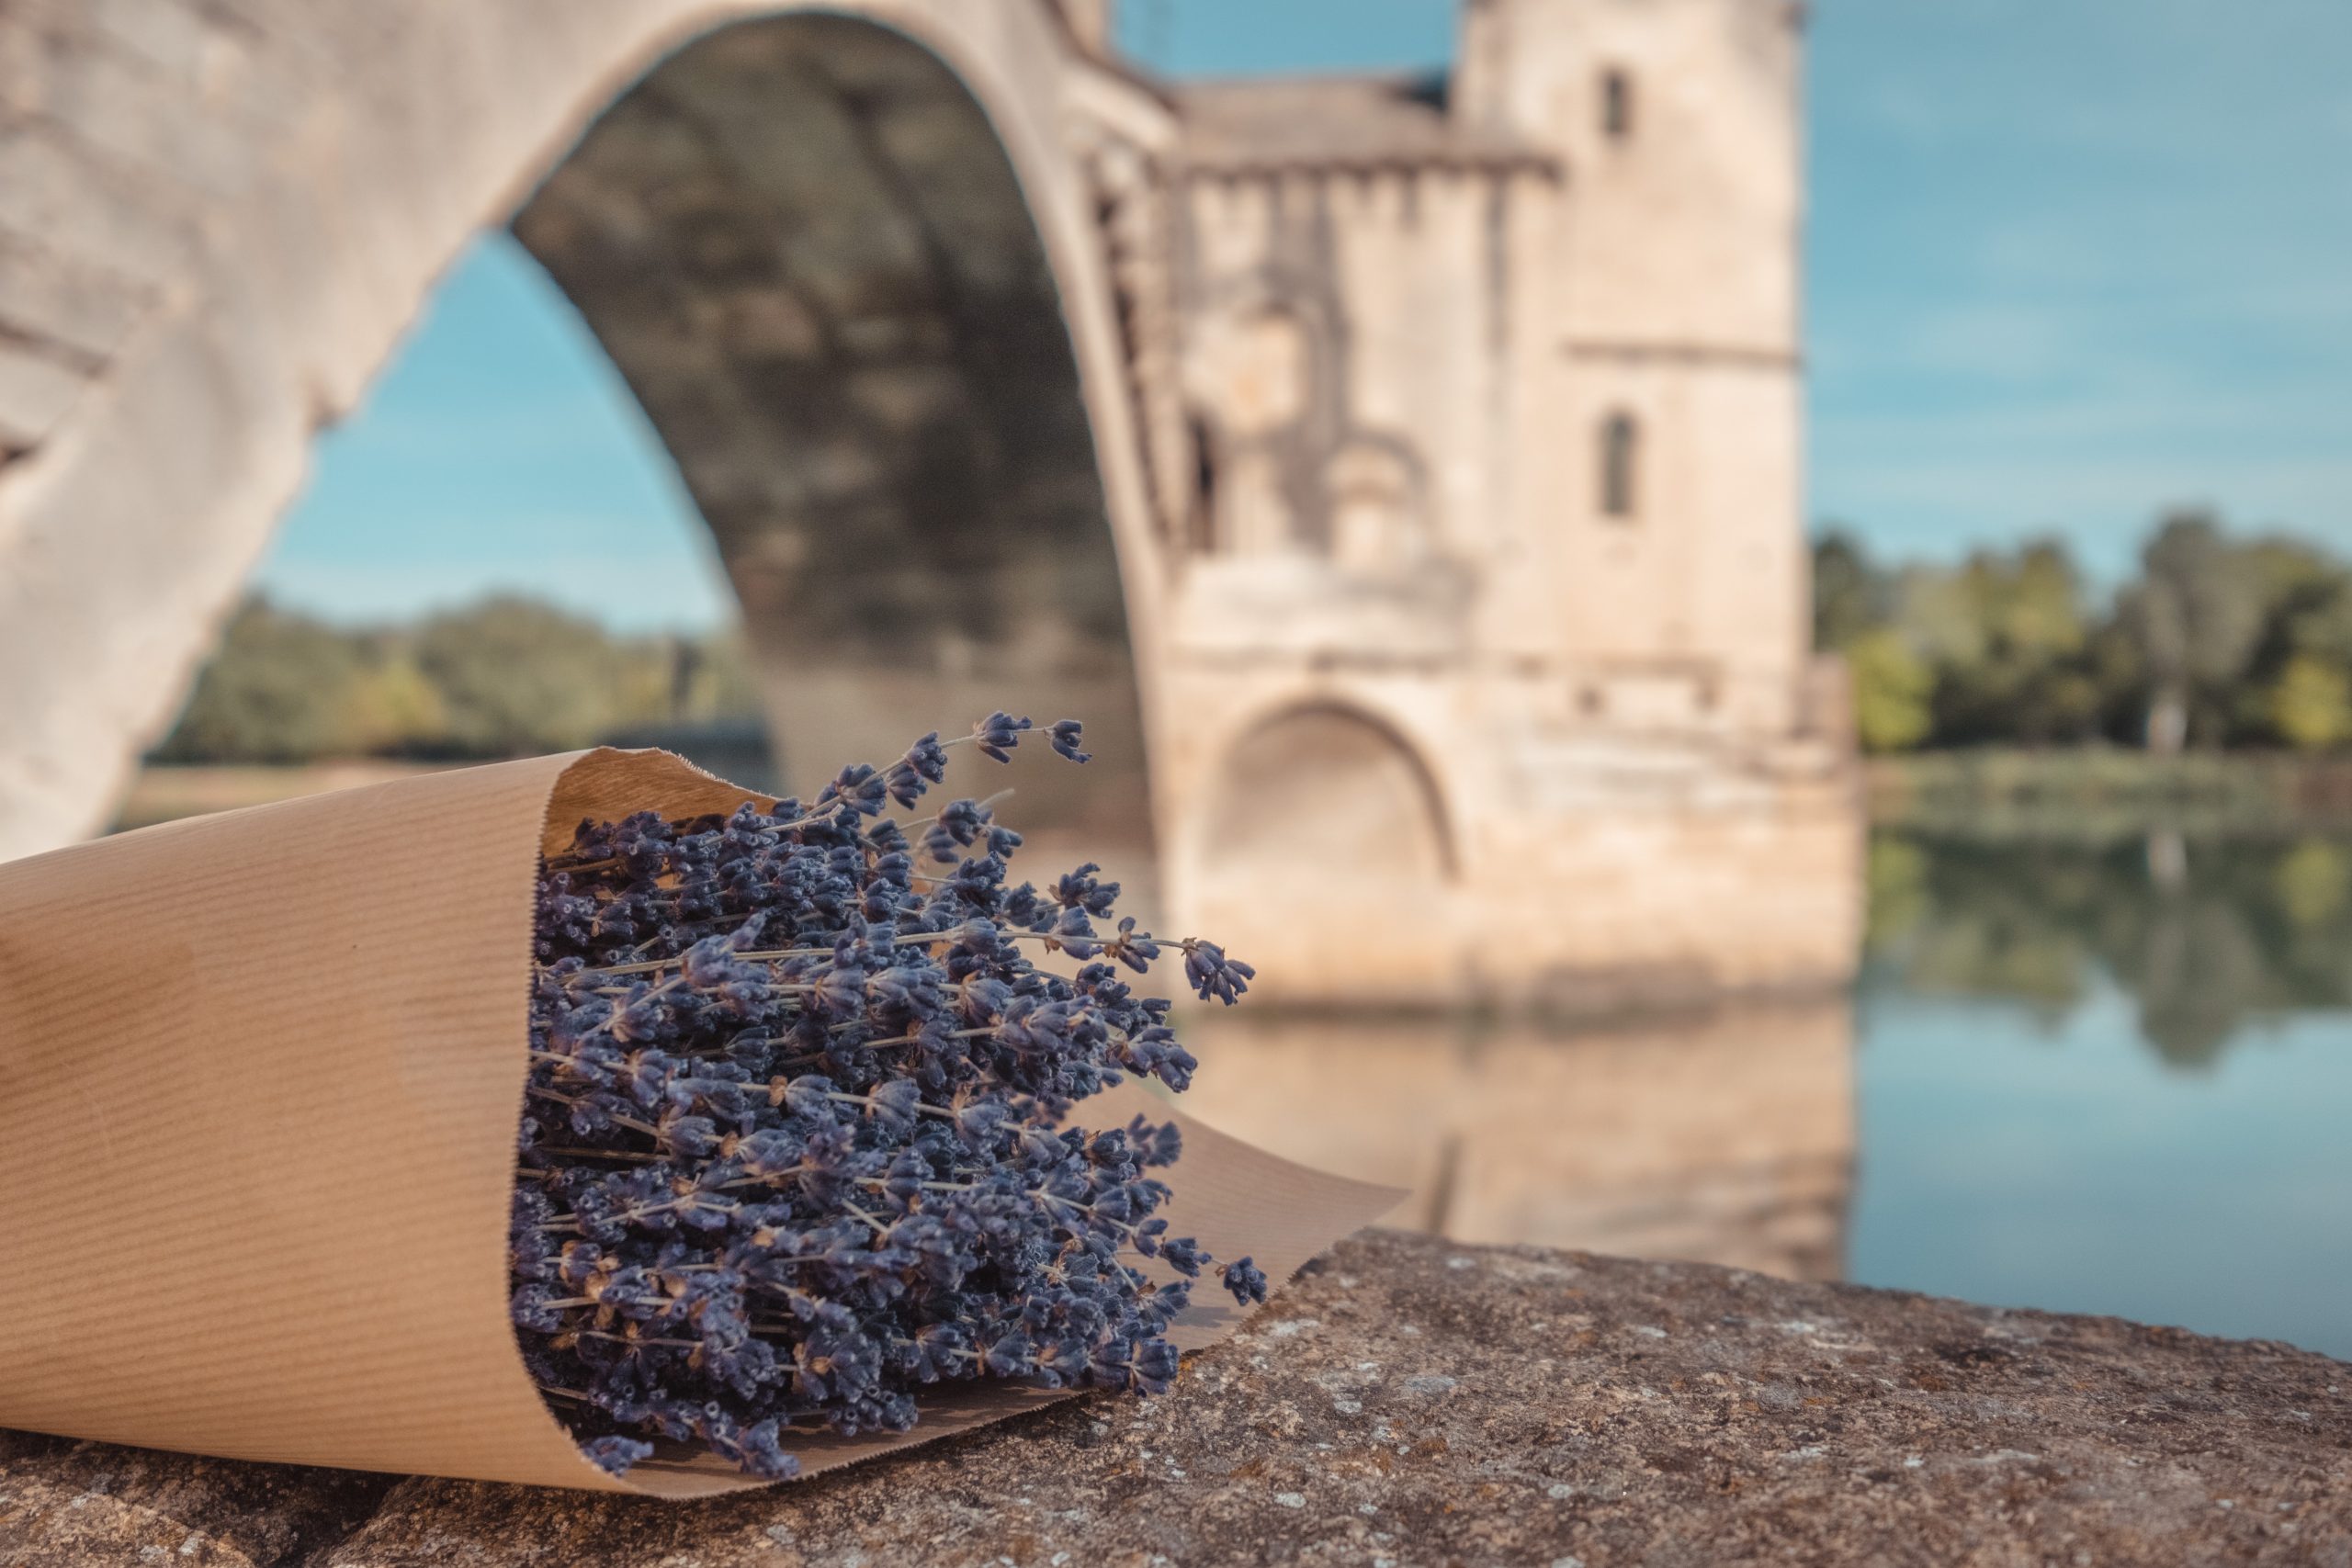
[{"x": 1725, "y": 1137}]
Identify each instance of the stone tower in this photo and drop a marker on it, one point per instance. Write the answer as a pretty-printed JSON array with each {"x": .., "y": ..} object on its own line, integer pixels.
[
  {"x": 1491, "y": 410},
  {"x": 1672, "y": 303}
]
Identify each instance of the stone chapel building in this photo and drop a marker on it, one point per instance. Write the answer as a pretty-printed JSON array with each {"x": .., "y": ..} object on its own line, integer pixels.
[{"x": 1486, "y": 420}]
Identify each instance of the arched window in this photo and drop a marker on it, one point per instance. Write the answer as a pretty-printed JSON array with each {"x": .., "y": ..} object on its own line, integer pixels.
[
  {"x": 1619, "y": 454},
  {"x": 1616, "y": 104},
  {"x": 1201, "y": 519}
]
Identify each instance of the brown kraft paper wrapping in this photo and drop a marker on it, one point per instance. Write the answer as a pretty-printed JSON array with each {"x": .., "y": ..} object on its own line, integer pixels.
[{"x": 260, "y": 1079}]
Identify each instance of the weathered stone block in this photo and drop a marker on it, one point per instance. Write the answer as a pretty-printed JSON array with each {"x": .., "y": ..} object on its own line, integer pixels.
[
  {"x": 171, "y": 37},
  {"x": 35, "y": 392},
  {"x": 89, "y": 215},
  {"x": 119, "y": 108},
  {"x": 40, "y": 298},
  {"x": 1416, "y": 1401},
  {"x": 89, "y": 1504}
]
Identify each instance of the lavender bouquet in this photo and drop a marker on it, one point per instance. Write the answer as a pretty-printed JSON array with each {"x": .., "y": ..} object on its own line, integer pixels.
[
  {"x": 798, "y": 1139},
  {"x": 805, "y": 1144}
]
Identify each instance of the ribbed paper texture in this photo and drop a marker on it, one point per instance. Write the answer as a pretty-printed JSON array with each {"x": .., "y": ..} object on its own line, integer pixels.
[{"x": 260, "y": 1078}]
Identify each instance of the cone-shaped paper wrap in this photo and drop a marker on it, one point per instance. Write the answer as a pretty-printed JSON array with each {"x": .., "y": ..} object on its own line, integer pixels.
[{"x": 260, "y": 1078}]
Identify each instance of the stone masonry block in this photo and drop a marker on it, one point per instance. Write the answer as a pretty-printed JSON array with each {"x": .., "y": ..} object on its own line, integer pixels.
[
  {"x": 86, "y": 311},
  {"x": 89, "y": 215},
  {"x": 35, "y": 392}
]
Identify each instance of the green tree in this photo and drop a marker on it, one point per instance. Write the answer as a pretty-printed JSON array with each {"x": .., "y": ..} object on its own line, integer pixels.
[
  {"x": 2006, "y": 634},
  {"x": 722, "y": 684},
  {"x": 517, "y": 676},
  {"x": 1850, "y": 594},
  {"x": 2198, "y": 613},
  {"x": 391, "y": 708},
  {"x": 506, "y": 676},
  {"x": 1892, "y": 688},
  {"x": 2218, "y": 642},
  {"x": 2310, "y": 705},
  {"x": 2318, "y": 622},
  {"x": 277, "y": 690}
]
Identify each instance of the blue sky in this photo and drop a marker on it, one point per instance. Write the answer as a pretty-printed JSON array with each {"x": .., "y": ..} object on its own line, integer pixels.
[{"x": 2070, "y": 261}]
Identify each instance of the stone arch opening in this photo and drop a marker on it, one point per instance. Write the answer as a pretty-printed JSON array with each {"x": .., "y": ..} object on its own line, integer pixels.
[
  {"x": 810, "y": 255},
  {"x": 1324, "y": 824},
  {"x": 851, "y": 271}
]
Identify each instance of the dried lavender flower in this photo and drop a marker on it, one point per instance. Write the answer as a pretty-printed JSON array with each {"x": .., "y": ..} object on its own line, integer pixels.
[{"x": 796, "y": 1142}]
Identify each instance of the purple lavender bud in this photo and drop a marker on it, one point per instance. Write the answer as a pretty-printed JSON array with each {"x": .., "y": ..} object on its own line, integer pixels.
[
  {"x": 841, "y": 995},
  {"x": 763, "y": 1457},
  {"x": 1185, "y": 1255},
  {"x": 998, "y": 734},
  {"x": 811, "y": 1094},
  {"x": 614, "y": 1454},
  {"x": 1153, "y": 1366},
  {"x": 1175, "y": 1067},
  {"x": 1075, "y": 935},
  {"x": 1158, "y": 1145},
  {"x": 769, "y": 1152},
  {"x": 925, "y": 763},
  {"x": 1213, "y": 976},
  {"x": 530, "y": 1308},
  {"x": 858, "y": 787},
  {"x": 1245, "y": 1281},
  {"x": 895, "y": 1103},
  {"x": 580, "y": 1262},
  {"x": 687, "y": 1137}
]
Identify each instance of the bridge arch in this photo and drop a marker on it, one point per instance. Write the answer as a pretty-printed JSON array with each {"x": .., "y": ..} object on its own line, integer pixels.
[
  {"x": 1314, "y": 812},
  {"x": 216, "y": 217},
  {"x": 844, "y": 256}
]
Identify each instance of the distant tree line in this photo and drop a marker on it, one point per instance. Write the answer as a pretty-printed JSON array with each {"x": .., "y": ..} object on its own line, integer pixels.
[
  {"x": 2216, "y": 642},
  {"x": 504, "y": 677}
]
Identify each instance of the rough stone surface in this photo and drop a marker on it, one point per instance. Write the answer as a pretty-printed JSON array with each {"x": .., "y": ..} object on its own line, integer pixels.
[
  {"x": 63, "y": 1502},
  {"x": 1412, "y": 1401}
]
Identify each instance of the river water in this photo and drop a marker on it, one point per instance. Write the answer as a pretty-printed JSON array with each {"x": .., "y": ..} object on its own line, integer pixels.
[{"x": 2110, "y": 1077}]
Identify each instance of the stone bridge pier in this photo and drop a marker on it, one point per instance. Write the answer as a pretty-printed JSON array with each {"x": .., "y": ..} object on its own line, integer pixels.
[{"x": 1399, "y": 476}]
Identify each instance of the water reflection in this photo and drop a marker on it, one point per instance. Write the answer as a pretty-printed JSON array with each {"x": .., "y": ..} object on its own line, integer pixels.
[
  {"x": 2205, "y": 935},
  {"x": 2097, "y": 1077},
  {"x": 1726, "y": 1135}
]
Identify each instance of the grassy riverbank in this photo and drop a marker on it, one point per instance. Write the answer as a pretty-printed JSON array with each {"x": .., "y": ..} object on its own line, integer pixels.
[{"x": 2102, "y": 792}]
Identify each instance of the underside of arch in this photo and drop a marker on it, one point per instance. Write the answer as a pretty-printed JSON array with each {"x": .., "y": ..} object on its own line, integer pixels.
[{"x": 805, "y": 248}]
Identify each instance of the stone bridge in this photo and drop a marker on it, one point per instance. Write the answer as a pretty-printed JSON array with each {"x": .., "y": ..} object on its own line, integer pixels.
[{"x": 1405, "y": 471}]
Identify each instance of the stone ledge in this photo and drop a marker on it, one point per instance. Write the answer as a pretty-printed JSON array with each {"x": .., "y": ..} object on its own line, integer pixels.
[{"x": 1413, "y": 1401}]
